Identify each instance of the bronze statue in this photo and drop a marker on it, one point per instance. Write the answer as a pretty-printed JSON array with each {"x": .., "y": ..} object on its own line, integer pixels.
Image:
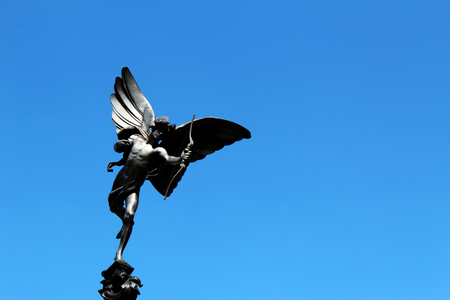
[{"x": 155, "y": 150}]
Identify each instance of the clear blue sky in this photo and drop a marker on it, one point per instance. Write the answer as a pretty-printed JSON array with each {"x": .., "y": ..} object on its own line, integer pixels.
[{"x": 342, "y": 192}]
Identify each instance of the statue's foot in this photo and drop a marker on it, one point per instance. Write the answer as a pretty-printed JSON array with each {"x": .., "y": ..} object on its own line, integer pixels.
[
  {"x": 118, "y": 258},
  {"x": 123, "y": 265}
]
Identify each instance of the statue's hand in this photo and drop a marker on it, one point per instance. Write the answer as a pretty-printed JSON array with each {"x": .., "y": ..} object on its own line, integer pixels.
[
  {"x": 110, "y": 165},
  {"x": 186, "y": 155}
]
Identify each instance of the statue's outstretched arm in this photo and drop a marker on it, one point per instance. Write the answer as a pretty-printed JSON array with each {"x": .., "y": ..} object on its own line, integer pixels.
[
  {"x": 173, "y": 160},
  {"x": 184, "y": 158}
]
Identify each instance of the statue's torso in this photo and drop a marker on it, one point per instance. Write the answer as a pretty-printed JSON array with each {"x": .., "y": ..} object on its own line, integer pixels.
[{"x": 139, "y": 161}]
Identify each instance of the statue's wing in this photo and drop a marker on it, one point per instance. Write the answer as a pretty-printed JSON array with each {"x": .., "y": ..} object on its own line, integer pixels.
[
  {"x": 130, "y": 108},
  {"x": 209, "y": 135}
]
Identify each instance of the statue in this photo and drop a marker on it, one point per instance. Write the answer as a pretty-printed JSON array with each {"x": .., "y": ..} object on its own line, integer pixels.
[{"x": 154, "y": 150}]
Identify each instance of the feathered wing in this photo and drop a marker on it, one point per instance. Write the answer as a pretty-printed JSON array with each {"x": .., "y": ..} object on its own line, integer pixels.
[
  {"x": 209, "y": 135},
  {"x": 131, "y": 110}
]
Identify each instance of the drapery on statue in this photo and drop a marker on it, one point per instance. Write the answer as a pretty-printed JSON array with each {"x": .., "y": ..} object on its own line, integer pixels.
[{"x": 155, "y": 150}]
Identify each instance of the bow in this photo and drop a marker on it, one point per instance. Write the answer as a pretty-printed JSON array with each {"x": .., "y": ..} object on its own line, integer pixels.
[{"x": 183, "y": 161}]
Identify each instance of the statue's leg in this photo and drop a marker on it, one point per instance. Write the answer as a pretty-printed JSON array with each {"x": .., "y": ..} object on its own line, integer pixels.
[
  {"x": 131, "y": 203},
  {"x": 115, "y": 207},
  {"x": 120, "y": 212}
]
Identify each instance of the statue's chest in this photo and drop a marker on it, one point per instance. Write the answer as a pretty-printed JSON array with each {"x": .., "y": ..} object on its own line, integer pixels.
[{"x": 143, "y": 152}]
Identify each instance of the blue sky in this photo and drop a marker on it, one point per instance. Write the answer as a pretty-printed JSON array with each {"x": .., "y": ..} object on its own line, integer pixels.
[{"x": 341, "y": 193}]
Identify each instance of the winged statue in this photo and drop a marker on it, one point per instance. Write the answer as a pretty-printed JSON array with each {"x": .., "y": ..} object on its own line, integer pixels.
[{"x": 155, "y": 150}]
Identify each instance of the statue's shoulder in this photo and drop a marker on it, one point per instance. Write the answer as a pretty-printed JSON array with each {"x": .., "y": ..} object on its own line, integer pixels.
[{"x": 160, "y": 150}]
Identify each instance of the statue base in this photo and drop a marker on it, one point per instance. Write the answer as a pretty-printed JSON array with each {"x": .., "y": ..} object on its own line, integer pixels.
[{"x": 118, "y": 284}]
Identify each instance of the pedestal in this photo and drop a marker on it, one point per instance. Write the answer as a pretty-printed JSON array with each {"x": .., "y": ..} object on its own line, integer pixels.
[{"x": 118, "y": 284}]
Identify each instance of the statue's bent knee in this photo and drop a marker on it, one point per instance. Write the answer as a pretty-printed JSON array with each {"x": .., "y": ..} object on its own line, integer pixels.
[{"x": 128, "y": 218}]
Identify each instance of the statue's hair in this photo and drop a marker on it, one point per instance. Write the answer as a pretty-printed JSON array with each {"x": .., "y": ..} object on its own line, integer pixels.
[{"x": 163, "y": 120}]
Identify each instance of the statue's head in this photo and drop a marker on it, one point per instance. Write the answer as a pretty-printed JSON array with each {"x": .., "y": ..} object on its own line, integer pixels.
[
  {"x": 162, "y": 128},
  {"x": 162, "y": 123}
]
